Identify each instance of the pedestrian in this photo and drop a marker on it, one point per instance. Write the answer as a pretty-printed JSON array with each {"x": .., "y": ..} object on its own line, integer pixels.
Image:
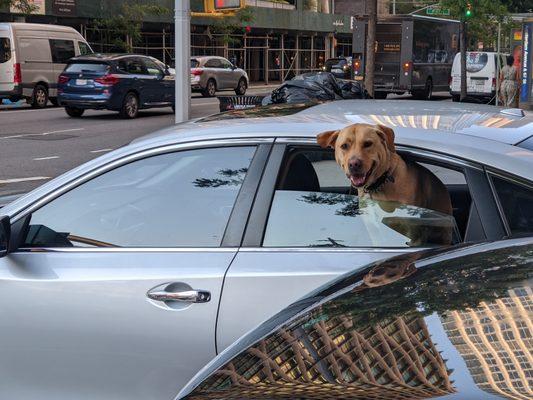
[{"x": 509, "y": 83}]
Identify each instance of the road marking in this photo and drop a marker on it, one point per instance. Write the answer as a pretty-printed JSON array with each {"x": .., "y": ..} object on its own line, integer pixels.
[
  {"x": 15, "y": 180},
  {"x": 41, "y": 134},
  {"x": 45, "y": 158},
  {"x": 100, "y": 151}
]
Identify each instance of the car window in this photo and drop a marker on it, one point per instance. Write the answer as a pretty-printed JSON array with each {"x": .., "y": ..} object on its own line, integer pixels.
[
  {"x": 181, "y": 199},
  {"x": 213, "y": 63},
  {"x": 62, "y": 50},
  {"x": 226, "y": 64},
  {"x": 315, "y": 206},
  {"x": 5, "y": 49},
  {"x": 194, "y": 63},
  {"x": 87, "y": 67},
  {"x": 84, "y": 48},
  {"x": 476, "y": 61},
  {"x": 517, "y": 204},
  {"x": 132, "y": 66},
  {"x": 34, "y": 49},
  {"x": 151, "y": 67}
]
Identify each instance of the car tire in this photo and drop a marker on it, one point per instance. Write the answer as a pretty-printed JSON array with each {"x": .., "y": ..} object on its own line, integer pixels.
[
  {"x": 74, "y": 112},
  {"x": 241, "y": 87},
  {"x": 380, "y": 95},
  {"x": 39, "y": 98},
  {"x": 210, "y": 88},
  {"x": 130, "y": 106},
  {"x": 54, "y": 101},
  {"x": 456, "y": 98},
  {"x": 426, "y": 93}
]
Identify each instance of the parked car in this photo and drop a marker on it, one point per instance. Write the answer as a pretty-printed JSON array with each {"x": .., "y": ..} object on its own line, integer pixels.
[
  {"x": 453, "y": 323},
  {"x": 126, "y": 275},
  {"x": 119, "y": 82},
  {"x": 210, "y": 74},
  {"x": 31, "y": 58},
  {"x": 340, "y": 67},
  {"x": 481, "y": 75}
]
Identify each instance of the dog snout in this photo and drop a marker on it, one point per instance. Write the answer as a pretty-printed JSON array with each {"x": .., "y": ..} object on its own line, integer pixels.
[{"x": 354, "y": 165}]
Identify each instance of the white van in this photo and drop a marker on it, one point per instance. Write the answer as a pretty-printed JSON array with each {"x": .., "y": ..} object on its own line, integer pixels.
[
  {"x": 32, "y": 56},
  {"x": 481, "y": 72}
]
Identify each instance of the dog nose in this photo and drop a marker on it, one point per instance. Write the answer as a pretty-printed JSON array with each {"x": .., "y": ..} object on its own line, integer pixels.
[{"x": 354, "y": 164}]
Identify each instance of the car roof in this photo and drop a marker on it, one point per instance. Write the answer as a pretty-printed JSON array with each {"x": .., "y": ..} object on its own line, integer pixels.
[
  {"x": 203, "y": 58},
  {"x": 40, "y": 27},
  {"x": 105, "y": 56}
]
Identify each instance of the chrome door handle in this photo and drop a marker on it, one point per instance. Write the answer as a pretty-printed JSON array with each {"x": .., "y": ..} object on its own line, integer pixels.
[{"x": 186, "y": 296}]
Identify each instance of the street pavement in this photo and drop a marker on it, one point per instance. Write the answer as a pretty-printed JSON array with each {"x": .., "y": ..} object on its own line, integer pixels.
[{"x": 37, "y": 145}]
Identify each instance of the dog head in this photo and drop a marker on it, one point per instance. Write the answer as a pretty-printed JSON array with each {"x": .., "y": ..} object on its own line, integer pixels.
[{"x": 363, "y": 151}]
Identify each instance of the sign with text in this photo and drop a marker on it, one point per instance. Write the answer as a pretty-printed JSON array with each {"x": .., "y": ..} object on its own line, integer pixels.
[
  {"x": 434, "y": 10},
  {"x": 64, "y": 7}
]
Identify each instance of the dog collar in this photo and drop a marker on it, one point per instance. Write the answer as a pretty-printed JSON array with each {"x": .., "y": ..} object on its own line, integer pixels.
[{"x": 379, "y": 183}]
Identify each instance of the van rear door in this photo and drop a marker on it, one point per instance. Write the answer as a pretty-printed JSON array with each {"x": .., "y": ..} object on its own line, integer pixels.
[
  {"x": 7, "y": 70},
  {"x": 480, "y": 72}
]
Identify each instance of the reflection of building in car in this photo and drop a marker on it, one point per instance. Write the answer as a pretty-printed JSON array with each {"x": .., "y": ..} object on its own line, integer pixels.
[
  {"x": 395, "y": 359},
  {"x": 495, "y": 339}
]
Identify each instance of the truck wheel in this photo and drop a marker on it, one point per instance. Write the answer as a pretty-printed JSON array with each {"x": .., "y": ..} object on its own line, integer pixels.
[
  {"x": 380, "y": 95},
  {"x": 210, "y": 88},
  {"x": 241, "y": 87},
  {"x": 130, "y": 106},
  {"x": 426, "y": 93},
  {"x": 54, "y": 101},
  {"x": 456, "y": 98},
  {"x": 39, "y": 98},
  {"x": 74, "y": 112}
]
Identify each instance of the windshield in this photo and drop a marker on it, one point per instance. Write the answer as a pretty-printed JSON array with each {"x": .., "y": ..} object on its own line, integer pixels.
[
  {"x": 5, "y": 50},
  {"x": 335, "y": 62},
  {"x": 475, "y": 61},
  {"x": 87, "y": 67}
]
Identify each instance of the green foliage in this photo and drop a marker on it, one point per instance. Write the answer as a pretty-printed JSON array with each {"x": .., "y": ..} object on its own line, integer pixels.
[
  {"x": 227, "y": 26},
  {"x": 22, "y": 6},
  {"x": 123, "y": 30}
]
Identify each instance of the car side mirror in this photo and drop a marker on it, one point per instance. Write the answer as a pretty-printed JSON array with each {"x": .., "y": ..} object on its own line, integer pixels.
[{"x": 5, "y": 235}]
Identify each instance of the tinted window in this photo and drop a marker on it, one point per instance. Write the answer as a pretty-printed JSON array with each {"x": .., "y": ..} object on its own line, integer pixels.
[
  {"x": 213, "y": 63},
  {"x": 84, "y": 48},
  {"x": 194, "y": 63},
  {"x": 527, "y": 144},
  {"x": 475, "y": 61},
  {"x": 5, "y": 50},
  {"x": 131, "y": 66},
  {"x": 314, "y": 206},
  {"x": 62, "y": 50},
  {"x": 151, "y": 67},
  {"x": 173, "y": 200},
  {"x": 87, "y": 67},
  {"x": 517, "y": 204}
]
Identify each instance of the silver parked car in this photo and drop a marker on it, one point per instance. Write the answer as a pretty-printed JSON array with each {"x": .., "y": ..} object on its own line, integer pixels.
[
  {"x": 129, "y": 273},
  {"x": 210, "y": 74}
]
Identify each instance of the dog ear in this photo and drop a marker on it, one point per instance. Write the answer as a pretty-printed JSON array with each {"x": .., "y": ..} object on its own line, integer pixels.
[
  {"x": 388, "y": 136},
  {"x": 327, "y": 139}
]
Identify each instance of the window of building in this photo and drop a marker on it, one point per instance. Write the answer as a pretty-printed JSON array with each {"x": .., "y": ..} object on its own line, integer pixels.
[
  {"x": 179, "y": 199},
  {"x": 62, "y": 50}
]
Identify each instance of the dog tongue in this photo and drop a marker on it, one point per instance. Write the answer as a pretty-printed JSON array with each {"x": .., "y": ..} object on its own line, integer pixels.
[{"x": 358, "y": 180}]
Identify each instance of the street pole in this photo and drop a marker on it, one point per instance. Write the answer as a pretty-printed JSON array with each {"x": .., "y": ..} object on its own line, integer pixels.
[
  {"x": 498, "y": 65},
  {"x": 182, "y": 43}
]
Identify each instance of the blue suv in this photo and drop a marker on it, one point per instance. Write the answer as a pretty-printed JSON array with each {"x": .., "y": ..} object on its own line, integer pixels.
[{"x": 120, "y": 82}]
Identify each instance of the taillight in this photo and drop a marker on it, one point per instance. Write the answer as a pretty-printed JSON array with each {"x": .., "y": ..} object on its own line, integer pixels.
[
  {"x": 108, "y": 80},
  {"x": 62, "y": 79},
  {"x": 357, "y": 66},
  {"x": 407, "y": 66},
  {"x": 17, "y": 75},
  {"x": 197, "y": 71}
]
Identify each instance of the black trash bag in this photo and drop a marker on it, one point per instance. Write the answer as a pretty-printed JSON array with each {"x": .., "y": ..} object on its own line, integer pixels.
[{"x": 314, "y": 87}]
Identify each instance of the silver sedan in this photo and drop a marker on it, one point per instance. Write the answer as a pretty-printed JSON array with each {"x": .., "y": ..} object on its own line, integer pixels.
[
  {"x": 210, "y": 74},
  {"x": 126, "y": 275}
]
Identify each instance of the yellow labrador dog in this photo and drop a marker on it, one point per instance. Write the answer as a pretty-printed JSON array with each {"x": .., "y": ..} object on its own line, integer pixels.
[{"x": 368, "y": 156}]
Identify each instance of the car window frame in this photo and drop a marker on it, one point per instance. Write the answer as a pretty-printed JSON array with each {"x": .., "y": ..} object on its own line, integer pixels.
[
  {"x": 484, "y": 208},
  {"x": 145, "y": 61},
  {"x": 235, "y": 226}
]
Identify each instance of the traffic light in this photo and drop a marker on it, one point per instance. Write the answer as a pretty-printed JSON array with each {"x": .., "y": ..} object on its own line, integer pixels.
[
  {"x": 223, "y": 5},
  {"x": 468, "y": 11}
]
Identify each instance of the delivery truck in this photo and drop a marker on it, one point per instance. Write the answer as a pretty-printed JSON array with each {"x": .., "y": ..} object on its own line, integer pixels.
[{"x": 413, "y": 54}]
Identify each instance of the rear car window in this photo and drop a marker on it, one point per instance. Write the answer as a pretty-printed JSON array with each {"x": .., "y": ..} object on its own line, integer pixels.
[
  {"x": 62, "y": 50},
  {"x": 5, "y": 50},
  {"x": 87, "y": 67},
  {"x": 516, "y": 201},
  {"x": 194, "y": 63},
  {"x": 475, "y": 62}
]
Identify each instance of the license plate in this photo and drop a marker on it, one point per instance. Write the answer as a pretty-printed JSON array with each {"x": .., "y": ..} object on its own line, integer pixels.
[{"x": 81, "y": 82}]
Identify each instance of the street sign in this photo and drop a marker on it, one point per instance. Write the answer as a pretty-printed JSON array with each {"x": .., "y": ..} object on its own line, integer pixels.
[{"x": 436, "y": 10}]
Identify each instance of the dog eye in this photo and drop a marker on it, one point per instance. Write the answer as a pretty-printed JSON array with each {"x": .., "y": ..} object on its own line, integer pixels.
[
  {"x": 344, "y": 146},
  {"x": 367, "y": 144}
]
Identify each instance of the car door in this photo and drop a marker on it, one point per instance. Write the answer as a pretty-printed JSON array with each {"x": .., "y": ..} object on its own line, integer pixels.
[
  {"x": 113, "y": 291},
  {"x": 231, "y": 75},
  {"x": 214, "y": 69},
  {"x": 159, "y": 85},
  {"x": 308, "y": 227},
  {"x": 137, "y": 79}
]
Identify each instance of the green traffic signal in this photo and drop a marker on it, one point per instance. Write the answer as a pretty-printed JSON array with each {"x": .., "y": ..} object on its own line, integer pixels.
[{"x": 468, "y": 11}]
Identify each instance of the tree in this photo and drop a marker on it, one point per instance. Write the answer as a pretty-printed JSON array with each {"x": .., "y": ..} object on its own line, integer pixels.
[
  {"x": 23, "y": 6},
  {"x": 124, "y": 28},
  {"x": 370, "y": 46}
]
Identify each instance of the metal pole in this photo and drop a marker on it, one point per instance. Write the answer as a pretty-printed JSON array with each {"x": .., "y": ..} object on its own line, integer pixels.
[
  {"x": 393, "y": 7},
  {"x": 182, "y": 43},
  {"x": 498, "y": 64}
]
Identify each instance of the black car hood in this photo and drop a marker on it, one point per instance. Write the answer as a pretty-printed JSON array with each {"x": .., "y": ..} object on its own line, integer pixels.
[{"x": 454, "y": 323}]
